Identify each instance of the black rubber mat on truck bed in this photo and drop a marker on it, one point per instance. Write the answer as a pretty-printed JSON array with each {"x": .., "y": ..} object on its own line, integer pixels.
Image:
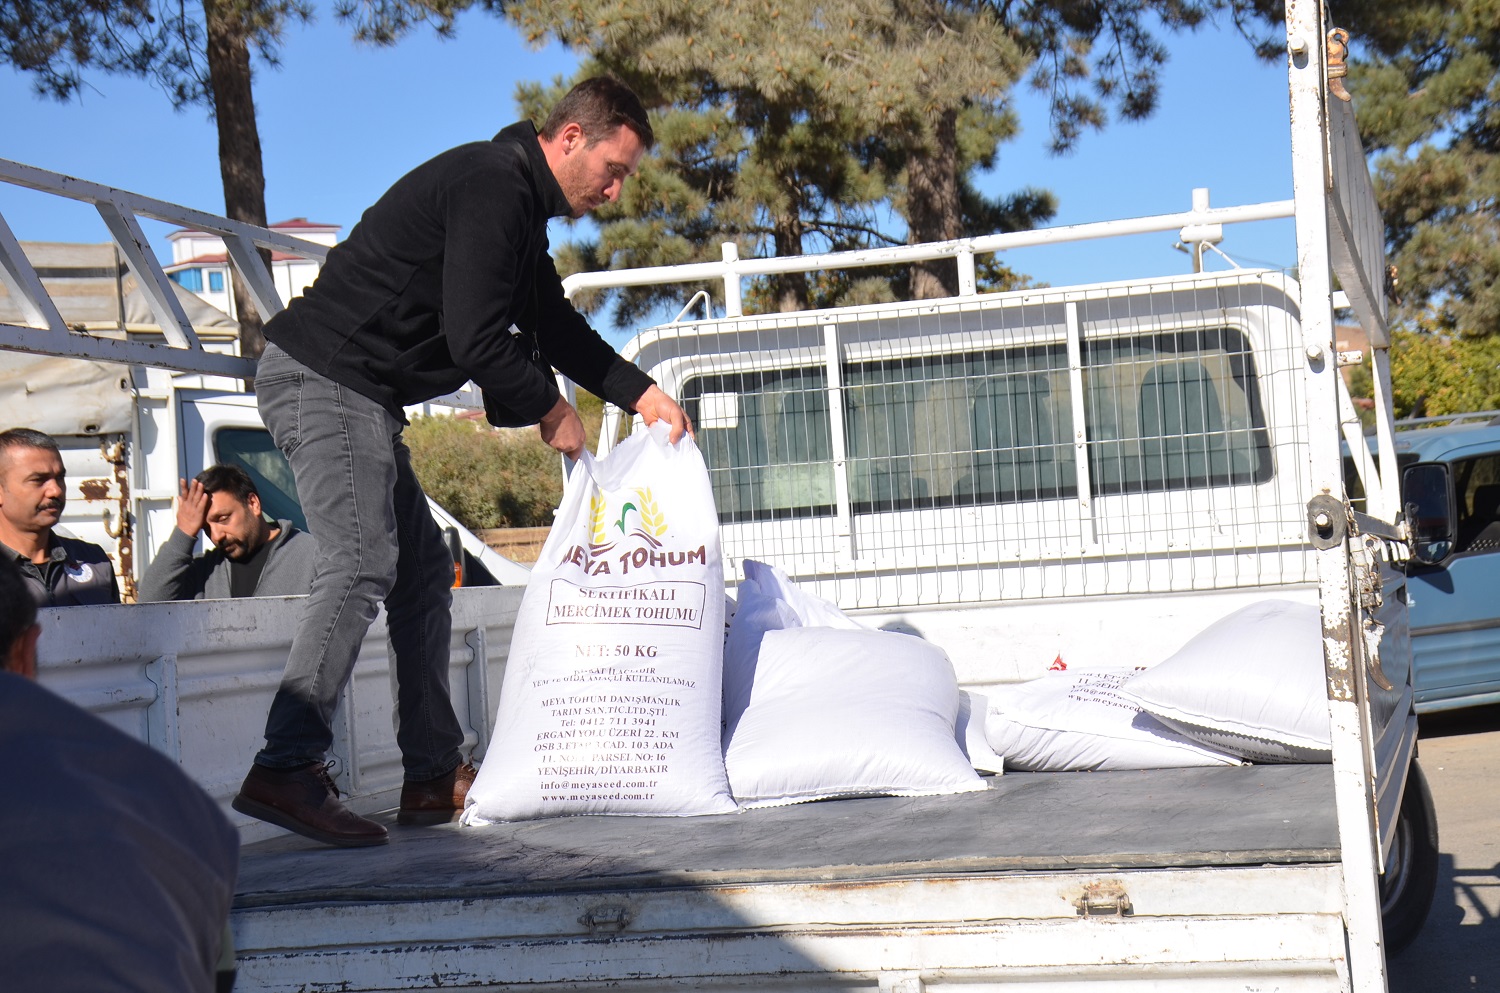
[{"x": 1249, "y": 815}]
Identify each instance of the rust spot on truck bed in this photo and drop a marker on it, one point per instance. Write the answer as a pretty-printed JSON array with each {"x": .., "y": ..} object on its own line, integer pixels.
[{"x": 94, "y": 489}]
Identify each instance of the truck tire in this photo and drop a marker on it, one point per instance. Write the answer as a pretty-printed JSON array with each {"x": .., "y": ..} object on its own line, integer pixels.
[{"x": 1411, "y": 872}]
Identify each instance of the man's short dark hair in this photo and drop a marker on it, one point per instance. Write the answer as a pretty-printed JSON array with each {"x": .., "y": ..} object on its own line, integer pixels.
[
  {"x": 599, "y": 105},
  {"x": 27, "y": 438},
  {"x": 231, "y": 479},
  {"x": 17, "y": 608}
]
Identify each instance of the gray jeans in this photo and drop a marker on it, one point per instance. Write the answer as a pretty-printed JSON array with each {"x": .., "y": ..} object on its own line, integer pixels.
[{"x": 377, "y": 541}]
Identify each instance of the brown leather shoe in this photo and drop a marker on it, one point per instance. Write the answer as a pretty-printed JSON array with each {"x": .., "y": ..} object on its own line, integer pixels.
[
  {"x": 305, "y": 800},
  {"x": 436, "y": 801}
]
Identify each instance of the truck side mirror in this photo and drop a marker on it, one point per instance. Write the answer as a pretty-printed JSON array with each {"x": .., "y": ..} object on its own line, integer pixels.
[{"x": 1427, "y": 499}]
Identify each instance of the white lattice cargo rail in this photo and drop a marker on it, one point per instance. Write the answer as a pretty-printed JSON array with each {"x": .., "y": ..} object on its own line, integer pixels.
[{"x": 1057, "y": 442}]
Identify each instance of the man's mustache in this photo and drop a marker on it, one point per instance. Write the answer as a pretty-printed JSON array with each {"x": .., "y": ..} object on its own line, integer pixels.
[{"x": 50, "y": 505}]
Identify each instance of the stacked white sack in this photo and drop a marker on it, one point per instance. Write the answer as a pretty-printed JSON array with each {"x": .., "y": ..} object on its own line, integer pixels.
[
  {"x": 1082, "y": 721},
  {"x": 817, "y": 706},
  {"x": 1251, "y": 684}
]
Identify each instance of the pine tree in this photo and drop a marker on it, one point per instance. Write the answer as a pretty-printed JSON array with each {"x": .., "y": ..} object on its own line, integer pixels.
[
  {"x": 790, "y": 127},
  {"x": 1427, "y": 96},
  {"x": 1425, "y": 77},
  {"x": 850, "y": 124}
]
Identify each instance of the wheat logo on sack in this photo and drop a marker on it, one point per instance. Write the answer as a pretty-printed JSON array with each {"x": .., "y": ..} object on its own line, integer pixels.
[
  {"x": 628, "y": 535},
  {"x": 644, "y": 513}
]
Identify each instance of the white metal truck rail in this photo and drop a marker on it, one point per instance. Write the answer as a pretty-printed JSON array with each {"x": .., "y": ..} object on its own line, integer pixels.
[{"x": 44, "y": 330}]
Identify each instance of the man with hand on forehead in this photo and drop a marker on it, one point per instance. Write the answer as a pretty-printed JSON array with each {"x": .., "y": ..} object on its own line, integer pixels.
[
  {"x": 252, "y": 556},
  {"x": 446, "y": 279}
]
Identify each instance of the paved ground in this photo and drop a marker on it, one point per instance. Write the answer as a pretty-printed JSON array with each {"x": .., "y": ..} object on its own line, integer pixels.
[{"x": 1458, "y": 950}]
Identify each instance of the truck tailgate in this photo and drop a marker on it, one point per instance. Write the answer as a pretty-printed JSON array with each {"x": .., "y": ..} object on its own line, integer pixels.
[{"x": 1165, "y": 869}]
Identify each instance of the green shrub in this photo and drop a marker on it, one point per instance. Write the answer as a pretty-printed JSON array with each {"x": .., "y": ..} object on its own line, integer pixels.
[
  {"x": 488, "y": 478},
  {"x": 1435, "y": 374},
  {"x": 485, "y": 478}
]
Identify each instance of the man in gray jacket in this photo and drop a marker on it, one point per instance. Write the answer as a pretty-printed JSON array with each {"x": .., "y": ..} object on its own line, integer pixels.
[{"x": 251, "y": 555}]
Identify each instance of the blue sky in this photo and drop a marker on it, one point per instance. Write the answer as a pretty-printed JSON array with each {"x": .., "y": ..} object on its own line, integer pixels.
[{"x": 339, "y": 122}]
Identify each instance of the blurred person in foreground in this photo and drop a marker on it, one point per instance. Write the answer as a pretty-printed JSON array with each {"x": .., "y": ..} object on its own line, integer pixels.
[{"x": 116, "y": 870}]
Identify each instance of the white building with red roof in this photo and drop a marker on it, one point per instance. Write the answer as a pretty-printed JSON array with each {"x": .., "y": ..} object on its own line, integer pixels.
[{"x": 200, "y": 262}]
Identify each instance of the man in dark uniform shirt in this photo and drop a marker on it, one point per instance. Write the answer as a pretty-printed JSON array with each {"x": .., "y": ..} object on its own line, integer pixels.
[
  {"x": 445, "y": 279},
  {"x": 59, "y": 571}
]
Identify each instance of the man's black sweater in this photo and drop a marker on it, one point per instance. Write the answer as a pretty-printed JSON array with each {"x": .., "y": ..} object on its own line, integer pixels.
[{"x": 422, "y": 295}]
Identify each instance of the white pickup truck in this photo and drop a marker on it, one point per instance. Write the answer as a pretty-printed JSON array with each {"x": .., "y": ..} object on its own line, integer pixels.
[{"x": 1093, "y": 472}]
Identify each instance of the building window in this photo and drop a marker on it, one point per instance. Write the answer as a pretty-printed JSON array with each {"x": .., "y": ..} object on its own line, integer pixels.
[
  {"x": 189, "y": 279},
  {"x": 216, "y": 282}
]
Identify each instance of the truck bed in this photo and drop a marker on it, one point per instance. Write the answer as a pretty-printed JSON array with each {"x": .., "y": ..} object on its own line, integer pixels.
[{"x": 1249, "y": 815}]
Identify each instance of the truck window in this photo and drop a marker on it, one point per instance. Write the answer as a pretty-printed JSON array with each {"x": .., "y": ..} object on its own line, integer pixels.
[
  {"x": 1174, "y": 411},
  {"x": 1355, "y": 488},
  {"x": 771, "y": 454},
  {"x": 1477, "y": 482},
  {"x": 1163, "y": 411},
  {"x": 962, "y": 429},
  {"x": 253, "y": 450}
]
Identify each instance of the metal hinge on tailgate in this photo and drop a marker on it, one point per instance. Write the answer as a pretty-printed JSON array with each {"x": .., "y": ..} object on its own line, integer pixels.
[
  {"x": 1366, "y": 552},
  {"x": 1331, "y": 521},
  {"x": 608, "y": 918},
  {"x": 1104, "y": 898}
]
